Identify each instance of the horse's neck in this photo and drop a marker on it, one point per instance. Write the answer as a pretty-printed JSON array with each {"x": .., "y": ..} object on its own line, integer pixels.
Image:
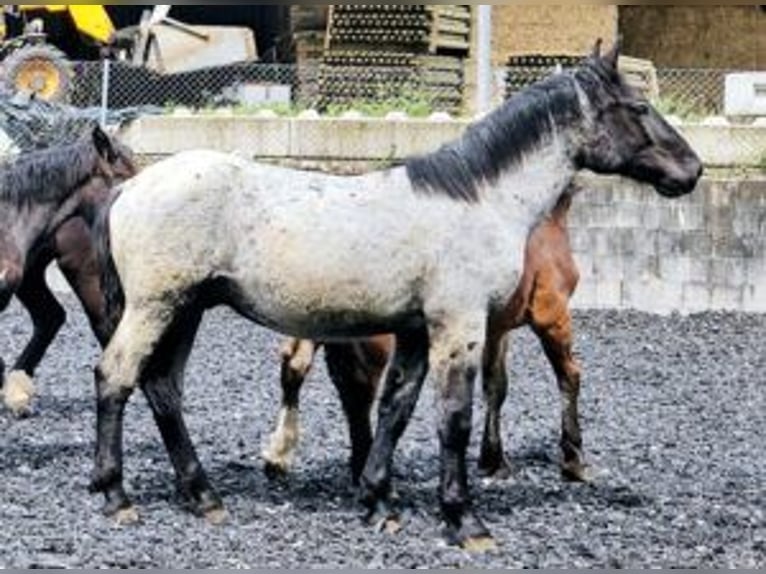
[
  {"x": 35, "y": 222},
  {"x": 30, "y": 225},
  {"x": 531, "y": 190}
]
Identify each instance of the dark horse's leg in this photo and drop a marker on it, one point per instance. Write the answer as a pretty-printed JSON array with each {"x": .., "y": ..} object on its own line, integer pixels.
[
  {"x": 493, "y": 461},
  {"x": 148, "y": 349},
  {"x": 163, "y": 387},
  {"x": 48, "y": 316},
  {"x": 399, "y": 398},
  {"x": 356, "y": 369},
  {"x": 297, "y": 359},
  {"x": 456, "y": 353}
]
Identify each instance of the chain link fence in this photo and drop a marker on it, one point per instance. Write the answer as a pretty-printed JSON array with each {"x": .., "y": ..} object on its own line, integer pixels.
[
  {"x": 279, "y": 86},
  {"x": 692, "y": 93},
  {"x": 688, "y": 93}
]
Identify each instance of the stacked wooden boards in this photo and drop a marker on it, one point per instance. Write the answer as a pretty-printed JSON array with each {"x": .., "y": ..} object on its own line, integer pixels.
[{"x": 385, "y": 51}]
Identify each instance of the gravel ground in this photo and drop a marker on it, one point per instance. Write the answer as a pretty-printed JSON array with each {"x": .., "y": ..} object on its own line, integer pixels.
[{"x": 673, "y": 412}]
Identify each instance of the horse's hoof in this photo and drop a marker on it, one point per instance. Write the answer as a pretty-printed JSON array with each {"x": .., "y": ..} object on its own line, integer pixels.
[
  {"x": 126, "y": 516},
  {"x": 495, "y": 468},
  {"x": 391, "y": 525},
  {"x": 469, "y": 533},
  {"x": 275, "y": 471},
  {"x": 383, "y": 518},
  {"x": 217, "y": 517},
  {"x": 576, "y": 472},
  {"x": 18, "y": 393},
  {"x": 501, "y": 473},
  {"x": 481, "y": 545}
]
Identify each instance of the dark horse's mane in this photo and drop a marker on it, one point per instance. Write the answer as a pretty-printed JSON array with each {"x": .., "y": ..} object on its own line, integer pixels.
[
  {"x": 47, "y": 176},
  {"x": 497, "y": 142}
]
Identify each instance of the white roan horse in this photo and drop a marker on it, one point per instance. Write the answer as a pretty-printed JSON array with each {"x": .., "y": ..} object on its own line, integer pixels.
[{"x": 425, "y": 251}]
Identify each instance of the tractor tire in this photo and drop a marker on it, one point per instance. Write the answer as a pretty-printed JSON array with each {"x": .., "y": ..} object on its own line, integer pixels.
[{"x": 41, "y": 70}]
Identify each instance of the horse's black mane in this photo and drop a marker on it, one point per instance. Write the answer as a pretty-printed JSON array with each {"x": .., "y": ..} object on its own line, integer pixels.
[
  {"x": 47, "y": 176},
  {"x": 498, "y": 142}
]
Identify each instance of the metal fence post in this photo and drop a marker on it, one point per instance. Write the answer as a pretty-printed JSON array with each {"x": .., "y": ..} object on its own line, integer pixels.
[
  {"x": 484, "y": 60},
  {"x": 105, "y": 85}
]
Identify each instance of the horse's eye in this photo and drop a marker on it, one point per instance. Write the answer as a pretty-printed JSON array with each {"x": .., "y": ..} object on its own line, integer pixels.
[{"x": 641, "y": 108}]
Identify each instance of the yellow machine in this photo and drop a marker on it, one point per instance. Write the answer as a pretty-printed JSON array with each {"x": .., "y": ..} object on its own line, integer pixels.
[
  {"x": 91, "y": 20},
  {"x": 158, "y": 42}
]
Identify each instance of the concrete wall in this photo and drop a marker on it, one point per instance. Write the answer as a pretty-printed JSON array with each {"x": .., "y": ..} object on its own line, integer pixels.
[
  {"x": 719, "y": 144},
  {"x": 635, "y": 249}
]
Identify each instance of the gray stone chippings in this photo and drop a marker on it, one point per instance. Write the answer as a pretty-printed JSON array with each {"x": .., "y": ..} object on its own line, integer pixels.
[{"x": 673, "y": 412}]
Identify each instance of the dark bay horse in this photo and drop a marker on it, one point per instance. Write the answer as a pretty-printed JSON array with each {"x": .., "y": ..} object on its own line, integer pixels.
[
  {"x": 426, "y": 251},
  {"x": 541, "y": 301},
  {"x": 48, "y": 199}
]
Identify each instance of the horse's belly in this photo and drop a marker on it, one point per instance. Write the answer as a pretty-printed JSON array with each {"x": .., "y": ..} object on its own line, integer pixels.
[{"x": 327, "y": 296}]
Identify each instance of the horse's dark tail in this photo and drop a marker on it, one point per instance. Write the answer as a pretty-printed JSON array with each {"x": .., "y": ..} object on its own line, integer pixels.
[{"x": 111, "y": 286}]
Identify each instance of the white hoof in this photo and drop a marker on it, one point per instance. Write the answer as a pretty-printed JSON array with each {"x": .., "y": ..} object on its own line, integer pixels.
[
  {"x": 18, "y": 392},
  {"x": 278, "y": 459},
  {"x": 279, "y": 453}
]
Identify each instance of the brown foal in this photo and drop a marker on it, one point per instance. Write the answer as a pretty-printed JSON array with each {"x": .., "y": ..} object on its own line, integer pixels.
[{"x": 541, "y": 301}]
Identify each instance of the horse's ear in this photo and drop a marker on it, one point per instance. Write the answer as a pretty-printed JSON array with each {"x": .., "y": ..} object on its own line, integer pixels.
[
  {"x": 103, "y": 144},
  {"x": 613, "y": 57},
  {"x": 596, "y": 53}
]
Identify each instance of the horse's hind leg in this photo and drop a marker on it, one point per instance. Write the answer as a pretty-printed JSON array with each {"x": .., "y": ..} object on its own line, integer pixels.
[
  {"x": 398, "y": 400},
  {"x": 493, "y": 462},
  {"x": 48, "y": 316},
  {"x": 121, "y": 369},
  {"x": 556, "y": 339},
  {"x": 297, "y": 359},
  {"x": 356, "y": 369},
  {"x": 162, "y": 385}
]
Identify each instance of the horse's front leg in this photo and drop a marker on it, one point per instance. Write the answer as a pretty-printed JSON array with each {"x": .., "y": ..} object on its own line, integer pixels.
[
  {"x": 76, "y": 257},
  {"x": 398, "y": 400},
  {"x": 456, "y": 352},
  {"x": 493, "y": 463},
  {"x": 48, "y": 316},
  {"x": 297, "y": 359},
  {"x": 556, "y": 339}
]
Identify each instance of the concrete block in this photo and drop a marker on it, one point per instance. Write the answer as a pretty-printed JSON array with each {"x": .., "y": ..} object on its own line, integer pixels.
[
  {"x": 725, "y": 298},
  {"x": 697, "y": 297},
  {"x": 754, "y": 298},
  {"x": 652, "y": 216},
  {"x": 651, "y": 295},
  {"x": 628, "y": 214},
  {"x": 680, "y": 270},
  {"x": 417, "y": 137},
  {"x": 342, "y": 139},
  {"x": 579, "y": 240},
  {"x": 682, "y": 215},
  {"x": 609, "y": 294},
  {"x": 257, "y": 137},
  {"x": 592, "y": 294},
  {"x": 745, "y": 94},
  {"x": 727, "y": 272}
]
